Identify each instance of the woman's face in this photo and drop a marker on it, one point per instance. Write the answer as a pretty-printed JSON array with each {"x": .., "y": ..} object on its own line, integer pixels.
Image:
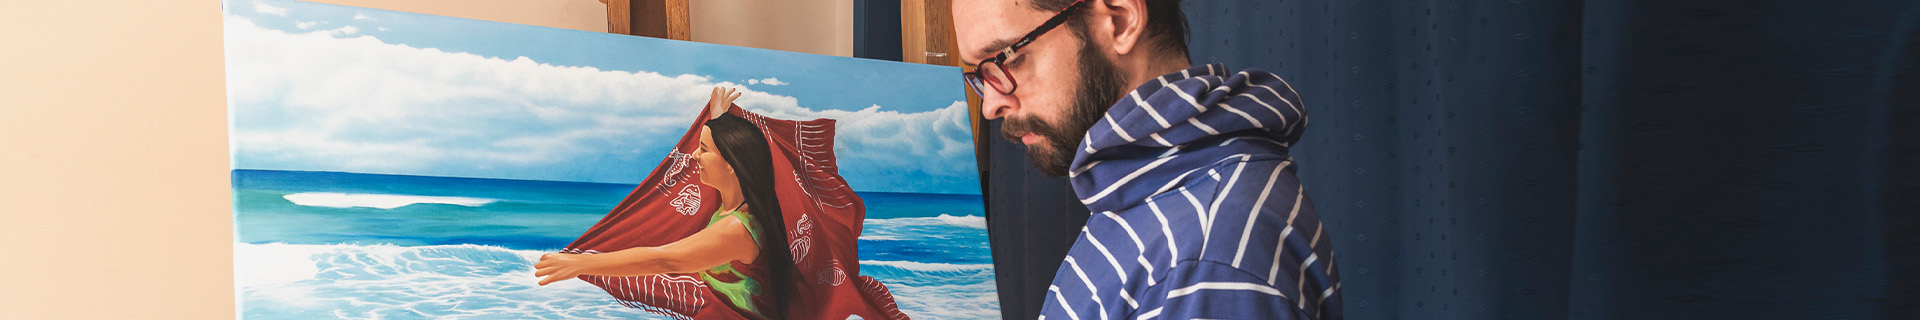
[{"x": 714, "y": 171}]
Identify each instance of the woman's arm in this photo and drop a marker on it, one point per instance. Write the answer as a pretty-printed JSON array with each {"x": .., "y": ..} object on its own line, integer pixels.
[{"x": 720, "y": 243}]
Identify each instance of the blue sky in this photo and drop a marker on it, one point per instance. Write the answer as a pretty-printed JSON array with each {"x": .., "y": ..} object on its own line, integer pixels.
[{"x": 331, "y": 88}]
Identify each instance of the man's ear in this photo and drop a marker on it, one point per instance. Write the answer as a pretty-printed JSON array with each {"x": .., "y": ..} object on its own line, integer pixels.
[{"x": 1124, "y": 20}]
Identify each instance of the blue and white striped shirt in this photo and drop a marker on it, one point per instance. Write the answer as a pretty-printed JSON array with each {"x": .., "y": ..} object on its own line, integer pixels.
[{"x": 1197, "y": 211}]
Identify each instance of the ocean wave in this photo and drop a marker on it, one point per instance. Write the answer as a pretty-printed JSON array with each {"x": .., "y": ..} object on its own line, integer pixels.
[
  {"x": 380, "y": 201},
  {"x": 875, "y": 237},
  {"x": 265, "y": 264},
  {"x": 973, "y": 300},
  {"x": 276, "y": 263},
  {"x": 384, "y": 281},
  {"x": 927, "y": 274},
  {"x": 928, "y": 266},
  {"x": 941, "y": 233},
  {"x": 293, "y": 281},
  {"x": 969, "y": 221},
  {"x": 938, "y": 290}
]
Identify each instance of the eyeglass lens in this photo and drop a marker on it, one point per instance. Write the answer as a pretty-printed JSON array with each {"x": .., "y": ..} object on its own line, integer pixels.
[{"x": 995, "y": 75}]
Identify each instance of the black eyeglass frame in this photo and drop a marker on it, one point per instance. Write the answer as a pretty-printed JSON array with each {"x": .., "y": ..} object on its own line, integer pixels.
[{"x": 976, "y": 78}]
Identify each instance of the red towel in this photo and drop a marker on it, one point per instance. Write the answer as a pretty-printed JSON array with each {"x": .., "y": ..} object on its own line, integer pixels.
[{"x": 823, "y": 221}]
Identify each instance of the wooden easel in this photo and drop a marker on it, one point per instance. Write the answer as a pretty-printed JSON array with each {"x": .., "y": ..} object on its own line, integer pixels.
[
  {"x": 926, "y": 32},
  {"x": 649, "y": 18}
]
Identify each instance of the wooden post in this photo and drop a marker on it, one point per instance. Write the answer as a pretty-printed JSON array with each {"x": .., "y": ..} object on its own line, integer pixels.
[
  {"x": 649, "y": 18},
  {"x": 619, "y": 16},
  {"x": 927, "y": 36},
  {"x": 926, "y": 32}
]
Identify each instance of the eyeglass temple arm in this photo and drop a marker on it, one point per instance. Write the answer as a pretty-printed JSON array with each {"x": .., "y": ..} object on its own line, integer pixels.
[{"x": 1057, "y": 19}]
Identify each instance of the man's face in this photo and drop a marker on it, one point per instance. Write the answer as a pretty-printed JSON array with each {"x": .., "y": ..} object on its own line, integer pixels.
[{"x": 1064, "y": 83}]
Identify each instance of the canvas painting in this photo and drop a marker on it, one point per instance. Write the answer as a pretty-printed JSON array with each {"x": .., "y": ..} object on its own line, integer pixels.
[{"x": 395, "y": 165}]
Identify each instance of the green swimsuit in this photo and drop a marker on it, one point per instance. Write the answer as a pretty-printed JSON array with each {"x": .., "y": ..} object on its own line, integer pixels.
[{"x": 741, "y": 293}]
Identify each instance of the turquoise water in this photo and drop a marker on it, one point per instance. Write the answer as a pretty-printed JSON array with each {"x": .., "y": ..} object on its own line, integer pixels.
[{"x": 347, "y": 245}]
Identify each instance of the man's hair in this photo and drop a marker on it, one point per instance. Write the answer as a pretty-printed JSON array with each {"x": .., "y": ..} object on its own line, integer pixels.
[{"x": 1166, "y": 28}]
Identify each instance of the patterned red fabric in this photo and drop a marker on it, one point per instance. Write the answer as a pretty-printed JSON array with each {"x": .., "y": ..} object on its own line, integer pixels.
[{"x": 823, "y": 221}]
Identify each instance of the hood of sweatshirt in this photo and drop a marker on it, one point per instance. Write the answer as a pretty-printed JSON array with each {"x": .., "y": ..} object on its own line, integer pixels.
[{"x": 1169, "y": 129}]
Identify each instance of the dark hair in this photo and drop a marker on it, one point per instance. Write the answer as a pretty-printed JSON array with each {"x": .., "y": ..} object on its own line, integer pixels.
[
  {"x": 744, "y": 147},
  {"x": 1166, "y": 28}
]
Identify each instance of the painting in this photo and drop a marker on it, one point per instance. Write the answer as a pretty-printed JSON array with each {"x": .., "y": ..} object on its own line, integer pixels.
[{"x": 399, "y": 165}]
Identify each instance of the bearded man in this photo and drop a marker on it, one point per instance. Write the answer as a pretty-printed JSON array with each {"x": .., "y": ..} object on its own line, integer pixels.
[{"x": 1197, "y": 212}]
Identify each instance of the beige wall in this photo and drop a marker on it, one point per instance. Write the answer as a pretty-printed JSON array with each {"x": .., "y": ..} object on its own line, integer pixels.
[
  {"x": 587, "y": 15},
  {"x": 811, "y": 26},
  {"x": 113, "y": 150},
  {"x": 113, "y": 164}
]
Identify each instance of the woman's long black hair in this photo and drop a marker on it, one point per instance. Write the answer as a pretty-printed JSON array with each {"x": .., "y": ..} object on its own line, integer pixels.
[{"x": 745, "y": 148}]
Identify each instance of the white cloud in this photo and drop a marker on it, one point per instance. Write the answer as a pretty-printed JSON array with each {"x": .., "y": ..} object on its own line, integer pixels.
[
  {"x": 871, "y": 141},
  {"x": 362, "y": 16},
  {"x": 306, "y": 24},
  {"x": 355, "y": 103},
  {"x": 341, "y": 31},
  {"x": 268, "y": 9},
  {"x": 370, "y": 106},
  {"x": 768, "y": 81}
]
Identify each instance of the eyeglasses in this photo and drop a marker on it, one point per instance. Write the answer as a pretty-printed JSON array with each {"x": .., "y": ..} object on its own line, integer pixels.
[{"x": 993, "y": 71}]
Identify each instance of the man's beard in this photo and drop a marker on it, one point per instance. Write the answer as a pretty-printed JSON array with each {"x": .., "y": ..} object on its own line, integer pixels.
[{"x": 1100, "y": 86}]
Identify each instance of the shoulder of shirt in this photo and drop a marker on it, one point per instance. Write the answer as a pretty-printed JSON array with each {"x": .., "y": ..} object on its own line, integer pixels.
[
  {"x": 1215, "y": 177},
  {"x": 1242, "y": 274},
  {"x": 1252, "y": 172},
  {"x": 1228, "y": 154}
]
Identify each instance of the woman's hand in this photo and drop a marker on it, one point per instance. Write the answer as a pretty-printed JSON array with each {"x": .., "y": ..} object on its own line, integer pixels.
[
  {"x": 562, "y": 266},
  {"x": 721, "y": 99}
]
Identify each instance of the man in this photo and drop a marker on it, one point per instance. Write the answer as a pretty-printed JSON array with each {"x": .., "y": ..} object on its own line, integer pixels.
[{"x": 1197, "y": 212}]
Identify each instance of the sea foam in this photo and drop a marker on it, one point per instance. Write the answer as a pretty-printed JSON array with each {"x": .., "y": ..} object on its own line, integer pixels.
[
  {"x": 929, "y": 266},
  {"x": 969, "y": 221},
  {"x": 427, "y": 282},
  {"x": 938, "y": 290},
  {"x": 380, "y": 201},
  {"x": 489, "y": 282},
  {"x": 274, "y": 263}
]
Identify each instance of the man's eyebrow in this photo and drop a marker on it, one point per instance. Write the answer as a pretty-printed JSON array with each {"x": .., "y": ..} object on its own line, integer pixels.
[{"x": 992, "y": 49}]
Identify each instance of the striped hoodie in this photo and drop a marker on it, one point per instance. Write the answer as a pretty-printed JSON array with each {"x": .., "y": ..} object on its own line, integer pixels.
[{"x": 1197, "y": 211}]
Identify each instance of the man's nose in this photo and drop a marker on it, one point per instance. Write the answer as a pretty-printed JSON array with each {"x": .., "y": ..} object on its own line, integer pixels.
[{"x": 994, "y": 105}]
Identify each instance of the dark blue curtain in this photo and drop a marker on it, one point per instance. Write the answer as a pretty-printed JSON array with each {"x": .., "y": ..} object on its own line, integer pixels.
[
  {"x": 1531, "y": 159},
  {"x": 1441, "y": 143},
  {"x": 1748, "y": 160},
  {"x": 876, "y": 29},
  {"x": 1031, "y": 222}
]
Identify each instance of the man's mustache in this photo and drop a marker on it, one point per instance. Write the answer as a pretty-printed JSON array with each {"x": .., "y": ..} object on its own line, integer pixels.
[{"x": 1014, "y": 127}]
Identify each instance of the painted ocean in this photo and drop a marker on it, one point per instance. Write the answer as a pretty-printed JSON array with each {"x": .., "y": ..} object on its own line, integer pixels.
[{"x": 346, "y": 245}]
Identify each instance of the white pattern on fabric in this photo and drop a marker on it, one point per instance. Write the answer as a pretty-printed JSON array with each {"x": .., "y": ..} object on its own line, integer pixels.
[{"x": 1237, "y": 134}]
